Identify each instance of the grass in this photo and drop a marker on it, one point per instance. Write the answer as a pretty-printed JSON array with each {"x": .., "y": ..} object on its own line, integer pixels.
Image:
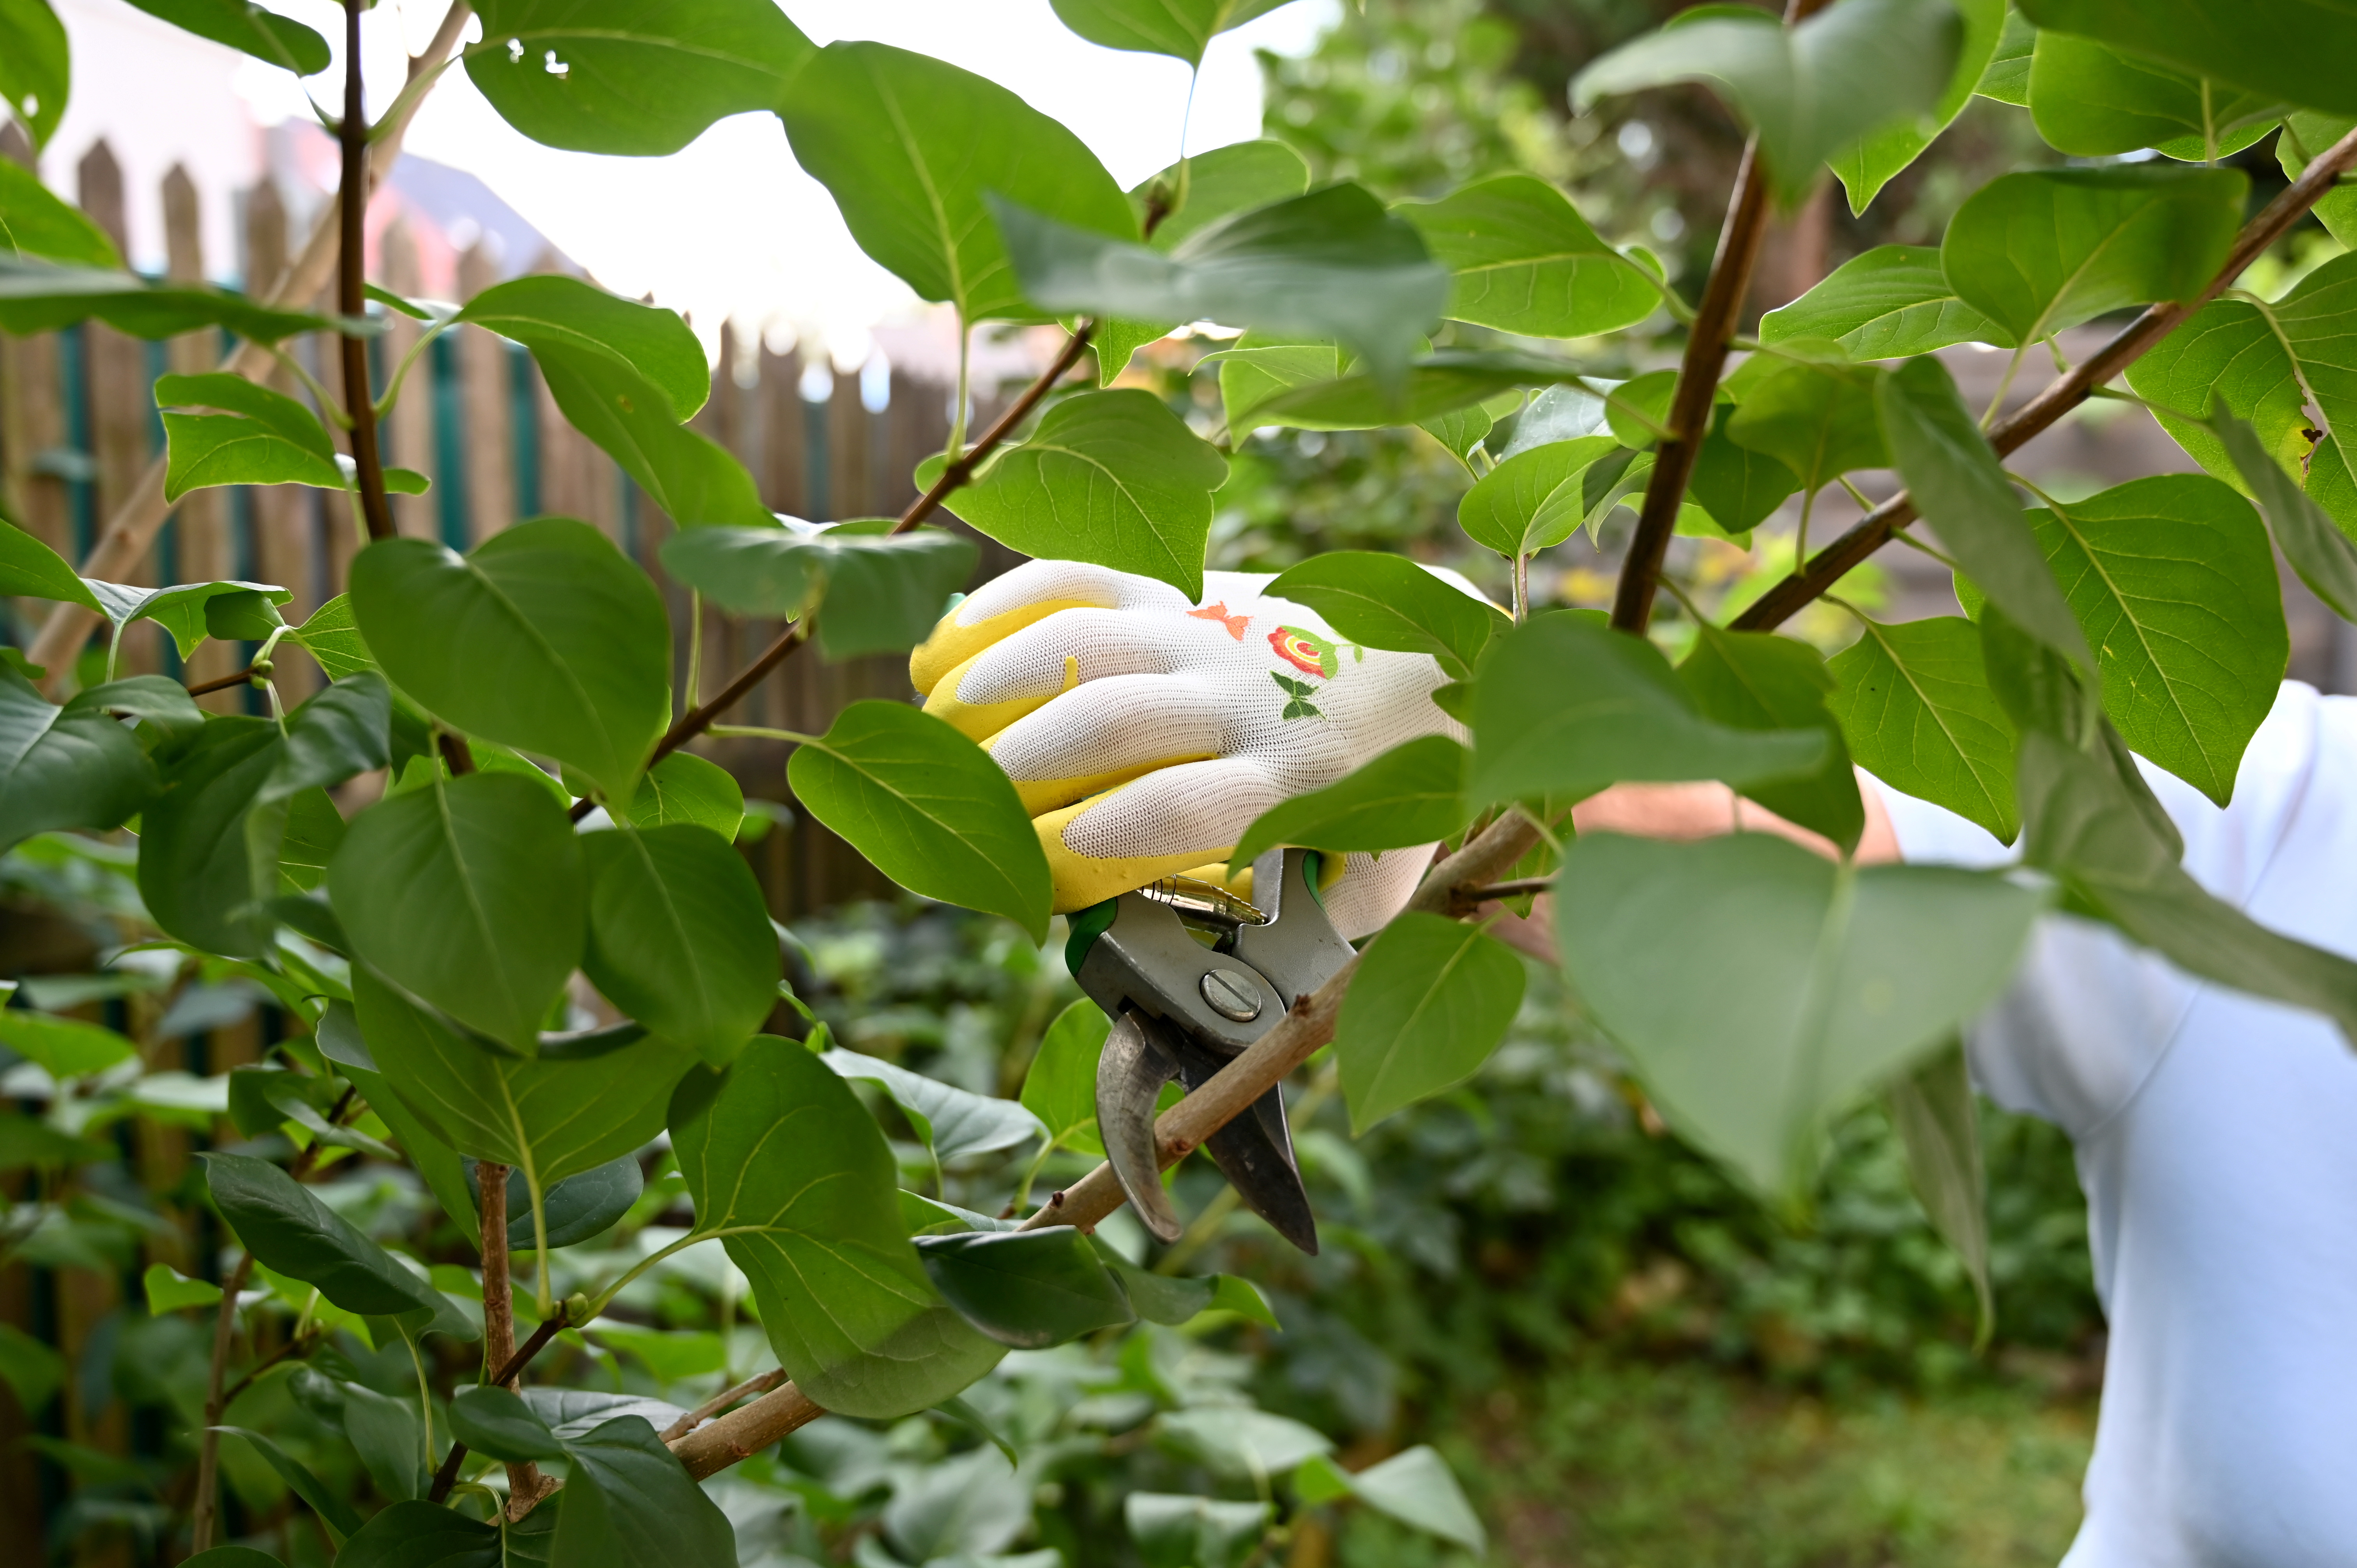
[{"x": 1621, "y": 1465}]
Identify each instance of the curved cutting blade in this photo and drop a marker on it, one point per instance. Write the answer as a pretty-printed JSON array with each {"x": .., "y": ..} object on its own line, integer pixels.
[
  {"x": 1130, "y": 1075},
  {"x": 1254, "y": 1152}
]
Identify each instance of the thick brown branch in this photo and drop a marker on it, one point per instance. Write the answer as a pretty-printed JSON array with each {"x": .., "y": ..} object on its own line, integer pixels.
[
  {"x": 1716, "y": 316},
  {"x": 2016, "y": 429},
  {"x": 351, "y": 294}
]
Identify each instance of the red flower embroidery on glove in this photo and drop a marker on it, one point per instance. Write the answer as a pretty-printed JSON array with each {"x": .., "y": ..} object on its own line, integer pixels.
[{"x": 1305, "y": 650}]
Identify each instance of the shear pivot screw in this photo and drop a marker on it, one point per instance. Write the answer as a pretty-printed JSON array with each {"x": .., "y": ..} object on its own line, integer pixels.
[{"x": 1231, "y": 994}]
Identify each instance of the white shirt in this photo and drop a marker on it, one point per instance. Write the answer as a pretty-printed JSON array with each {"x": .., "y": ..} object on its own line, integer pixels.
[{"x": 2217, "y": 1143}]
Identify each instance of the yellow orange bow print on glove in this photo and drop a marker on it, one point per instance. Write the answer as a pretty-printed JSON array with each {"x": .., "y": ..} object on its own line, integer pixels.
[{"x": 1145, "y": 733}]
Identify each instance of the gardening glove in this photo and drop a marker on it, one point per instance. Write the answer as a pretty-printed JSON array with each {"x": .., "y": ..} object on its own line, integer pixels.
[{"x": 1145, "y": 733}]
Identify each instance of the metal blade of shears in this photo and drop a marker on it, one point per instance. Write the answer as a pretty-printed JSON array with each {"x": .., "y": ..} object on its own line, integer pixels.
[{"x": 1130, "y": 1075}]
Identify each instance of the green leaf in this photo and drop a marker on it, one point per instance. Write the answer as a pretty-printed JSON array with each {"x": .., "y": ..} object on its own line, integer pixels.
[
  {"x": 1939, "y": 1126},
  {"x": 1180, "y": 28},
  {"x": 2306, "y": 135},
  {"x": 1756, "y": 682},
  {"x": 1416, "y": 1487},
  {"x": 247, "y": 615},
  {"x": 880, "y": 593},
  {"x": 912, "y": 147},
  {"x": 629, "y": 1503},
  {"x": 334, "y": 1512},
  {"x": 61, "y": 769},
  {"x": 248, "y": 29},
  {"x": 1808, "y": 90},
  {"x": 2175, "y": 585},
  {"x": 342, "y": 732},
  {"x": 34, "y": 224},
  {"x": 2089, "y": 101},
  {"x": 494, "y": 1421},
  {"x": 470, "y": 894},
  {"x": 1637, "y": 410},
  {"x": 951, "y": 1121},
  {"x": 685, "y": 789},
  {"x": 412, "y": 1534},
  {"x": 1824, "y": 980},
  {"x": 928, "y": 808},
  {"x": 284, "y": 1225},
  {"x": 332, "y": 636},
  {"x": 2294, "y": 56},
  {"x": 37, "y": 296},
  {"x": 1174, "y": 1530},
  {"x": 550, "y": 1116},
  {"x": 782, "y": 1153},
  {"x": 207, "y": 857},
  {"x": 35, "y": 71},
  {"x": 2321, "y": 554},
  {"x": 1523, "y": 260},
  {"x": 2266, "y": 362},
  {"x": 1029, "y": 1289},
  {"x": 607, "y": 76},
  {"x": 1739, "y": 488},
  {"x": 544, "y": 638},
  {"x": 232, "y": 1557},
  {"x": 1412, "y": 795},
  {"x": 1442, "y": 382},
  {"x": 168, "y": 1290},
  {"x": 1194, "y": 195},
  {"x": 1330, "y": 263},
  {"x": 1432, "y": 1000},
  {"x": 1864, "y": 168},
  {"x": 679, "y": 936},
  {"x": 1960, "y": 488},
  {"x": 1914, "y": 703},
  {"x": 551, "y": 311},
  {"x": 31, "y": 568},
  {"x": 1460, "y": 430},
  {"x": 63, "y": 1047},
  {"x": 2046, "y": 249},
  {"x": 389, "y": 1440},
  {"x": 1891, "y": 303},
  {"x": 1381, "y": 600},
  {"x": 579, "y": 1207},
  {"x": 1111, "y": 477},
  {"x": 1566, "y": 707},
  {"x": 28, "y": 1143},
  {"x": 181, "y": 609},
  {"x": 1060, "y": 1086},
  {"x": 2006, "y": 79},
  {"x": 2088, "y": 829},
  {"x": 1535, "y": 499},
  {"x": 1263, "y": 367},
  {"x": 264, "y": 439},
  {"x": 1242, "y": 1443},
  {"x": 1817, "y": 420},
  {"x": 33, "y": 1371}
]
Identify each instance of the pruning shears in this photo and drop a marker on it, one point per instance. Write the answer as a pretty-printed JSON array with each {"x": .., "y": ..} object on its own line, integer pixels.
[{"x": 1190, "y": 976}]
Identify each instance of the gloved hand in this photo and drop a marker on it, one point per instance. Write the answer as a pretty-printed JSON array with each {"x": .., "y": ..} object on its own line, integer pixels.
[{"x": 1145, "y": 733}]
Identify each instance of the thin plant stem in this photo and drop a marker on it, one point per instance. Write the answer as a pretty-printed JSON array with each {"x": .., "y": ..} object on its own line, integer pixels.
[
  {"x": 956, "y": 447},
  {"x": 761, "y": 732},
  {"x": 695, "y": 648},
  {"x": 352, "y": 293},
  {"x": 2004, "y": 385}
]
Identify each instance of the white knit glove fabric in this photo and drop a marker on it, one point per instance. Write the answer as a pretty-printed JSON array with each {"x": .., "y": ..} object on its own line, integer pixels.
[{"x": 1145, "y": 733}]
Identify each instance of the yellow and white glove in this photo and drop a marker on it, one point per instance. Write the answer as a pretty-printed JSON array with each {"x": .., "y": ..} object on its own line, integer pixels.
[{"x": 1145, "y": 733}]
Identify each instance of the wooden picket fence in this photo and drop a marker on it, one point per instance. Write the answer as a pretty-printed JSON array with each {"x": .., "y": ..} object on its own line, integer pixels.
[{"x": 79, "y": 425}]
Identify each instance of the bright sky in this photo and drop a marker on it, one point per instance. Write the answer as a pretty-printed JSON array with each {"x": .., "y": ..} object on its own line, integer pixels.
[{"x": 731, "y": 226}]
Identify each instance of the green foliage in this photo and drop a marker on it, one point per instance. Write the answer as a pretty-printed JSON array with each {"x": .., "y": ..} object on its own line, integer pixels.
[
  {"x": 1539, "y": 497},
  {"x": 679, "y": 937},
  {"x": 1029, "y": 1289},
  {"x": 1109, "y": 476},
  {"x": 601, "y": 76},
  {"x": 1914, "y": 704},
  {"x": 1880, "y": 155},
  {"x": 1891, "y": 303},
  {"x": 576, "y": 633},
  {"x": 1060, "y": 1086},
  {"x": 2216, "y": 36},
  {"x": 249, "y": 28},
  {"x": 1159, "y": 26},
  {"x": 1381, "y": 601},
  {"x": 1331, "y": 264},
  {"x": 2044, "y": 250},
  {"x": 36, "y": 296},
  {"x": 64, "y": 769},
  {"x": 36, "y": 224},
  {"x": 1932, "y": 1111},
  {"x": 912, "y": 147},
  {"x": 928, "y": 807},
  {"x": 883, "y": 593},
  {"x": 1819, "y": 421},
  {"x": 292, "y": 1231},
  {"x": 1757, "y": 682},
  {"x": 685, "y": 788},
  {"x": 35, "y": 75},
  {"x": 1635, "y": 720},
  {"x": 1808, "y": 91},
  {"x": 1819, "y": 982},
  {"x": 1522, "y": 259},
  {"x": 782, "y": 1161},
  {"x": 1432, "y": 1002},
  {"x": 2094, "y": 101}
]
